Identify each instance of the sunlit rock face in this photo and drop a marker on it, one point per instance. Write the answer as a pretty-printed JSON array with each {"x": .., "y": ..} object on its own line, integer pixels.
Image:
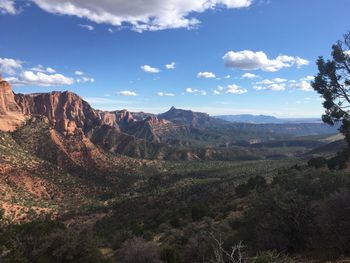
[
  {"x": 11, "y": 115},
  {"x": 67, "y": 112}
]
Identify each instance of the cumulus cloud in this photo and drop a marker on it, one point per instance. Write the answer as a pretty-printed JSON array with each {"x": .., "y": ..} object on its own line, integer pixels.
[
  {"x": 249, "y": 76},
  {"x": 88, "y": 27},
  {"x": 308, "y": 78},
  {"x": 271, "y": 81},
  {"x": 85, "y": 80},
  {"x": 303, "y": 84},
  {"x": 230, "y": 89},
  {"x": 82, "y": 78},
  {"x": 50, "y": 70},
  {"x": 250, "y": 60},
  {"x": 234, "y": 89},
  {"x": 171, "y": 65},
  {"x": 164, "y": 94},
  {"x": 9, "y": 65},
  {"x": 38, "y": 75},
  {"x": 141, "y": 15},
  {"x": 149, "y": 69},
  {"x": 27, "y": 78},
  {"x": 301, "y": 62},
  {"x": 265, "y": 82},
  {"x": 196, "y": 91},
  {"x": 41, "y": 68},
  {"x": 127, "y": 93},
  {"x": 279, "y": 80},
  {"x": 273, "y": 87},
  {"x": 280, "y": 84},
  {"x": 8, "y": 7},
  {"x": 277, "y": 87},
  {"x": 78, "y": 73},
  {"x": 206, "y": 75},
  {"x": 276, "y": 84}
]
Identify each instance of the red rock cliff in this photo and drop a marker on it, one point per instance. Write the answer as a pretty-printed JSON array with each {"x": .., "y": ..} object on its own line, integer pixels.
[
  {"x": 11, "y": 115},
  {"x": 66, "y": 111}
]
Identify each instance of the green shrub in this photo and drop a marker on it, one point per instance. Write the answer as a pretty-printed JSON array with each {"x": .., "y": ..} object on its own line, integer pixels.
[
  {"x": 170, "y": 255},
  {"x": 317, "y": 162}
]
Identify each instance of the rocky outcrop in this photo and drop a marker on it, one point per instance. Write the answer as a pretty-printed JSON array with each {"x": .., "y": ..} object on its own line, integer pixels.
[
  {"x": 67, "y": 112},
  {"x": 188, "y": 117},
  {"x": 154, "y": 129},
  {"x": 11, "y": 115}
]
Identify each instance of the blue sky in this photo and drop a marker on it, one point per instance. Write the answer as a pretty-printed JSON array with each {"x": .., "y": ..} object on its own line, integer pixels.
[{"x": 222, "y": 56}]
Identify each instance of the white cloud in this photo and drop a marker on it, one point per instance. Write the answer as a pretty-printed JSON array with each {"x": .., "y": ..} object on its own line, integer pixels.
[
  {"x": 82, "y": 78},
  {"x": 206, "y": 75},
  {"x": 50, "y": 70},
  {"x": 171, "y": 65},
  {"x": 85, "y": 80},
  {"x": 78, "y": 73},
  {"x": 196, "y": 91},
  {"x": 41, "y": 68},
  {"x": 27, "y": 78},
  {"x": 38, "y": 75},
  {"x": 280, "y": 84},
  {"x": 259, "y": 87},
  {"x": 164, "y": 94},
  {"x": 8, "y": 7},
  {"x": 141, "y": 15},
  {"x": 276, "y": 84},
  {"x": 308, "y": 78},
  {"x": 230, "y": 89},
  {"x": 9, "y": 65},
  {"x": 234, "y": 89},
  {"x": 227, "y": 77},
  {"x": 273, "y": 87},
  {"x": 149, "y": 69},
  {"x": 302, "y": 85},
  {"x": 279, "y": 80},
  {"x": 301, "y": 62},
  {"x": 265, "y": 82},
  {"x": 249, "y": 60},
  {"x": 249, "y": 76},
  {"x": 127, "y": 93},
  {"x": 88, "y": 27},
  {"x": 277, "y": 87}
]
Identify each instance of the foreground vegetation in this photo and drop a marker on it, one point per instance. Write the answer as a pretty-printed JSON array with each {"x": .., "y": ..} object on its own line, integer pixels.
[{"x": 261, "y": 211}]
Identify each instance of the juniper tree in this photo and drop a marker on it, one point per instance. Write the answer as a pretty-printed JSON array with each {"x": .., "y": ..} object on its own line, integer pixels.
[{"x": 333, "y": 84}]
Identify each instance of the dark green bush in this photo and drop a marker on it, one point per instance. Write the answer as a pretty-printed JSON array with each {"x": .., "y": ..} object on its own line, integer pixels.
[
  {"x": 317, "y": 162},
  {"x": 170, "y": 255}
]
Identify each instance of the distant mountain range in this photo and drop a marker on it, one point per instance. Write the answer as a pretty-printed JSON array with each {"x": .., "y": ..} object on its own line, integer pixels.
[
  {"x": 265, "y": 119},
  {"x": 174, "y": 135}
]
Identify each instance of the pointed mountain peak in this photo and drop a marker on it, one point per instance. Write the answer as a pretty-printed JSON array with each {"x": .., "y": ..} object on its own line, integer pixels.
[{"x": 172, "y": 108}]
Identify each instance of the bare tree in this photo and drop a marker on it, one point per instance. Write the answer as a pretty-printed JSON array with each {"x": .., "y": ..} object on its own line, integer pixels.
[{"x": 221, "y": 255}]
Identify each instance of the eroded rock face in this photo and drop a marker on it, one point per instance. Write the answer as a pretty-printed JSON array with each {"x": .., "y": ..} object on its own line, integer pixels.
[
  {"x": 154, "y": 129},
  {"x": 67, "y": 112},
  {"x": 11, "y": 115}
]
